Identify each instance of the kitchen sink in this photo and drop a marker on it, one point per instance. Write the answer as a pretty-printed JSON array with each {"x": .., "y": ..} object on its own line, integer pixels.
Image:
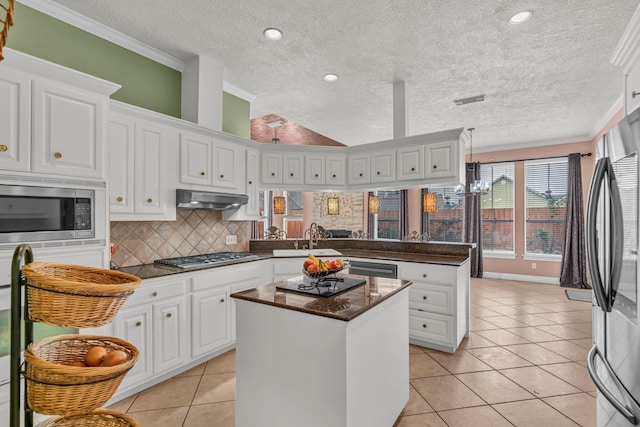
[{"x": 304, "y": 252}]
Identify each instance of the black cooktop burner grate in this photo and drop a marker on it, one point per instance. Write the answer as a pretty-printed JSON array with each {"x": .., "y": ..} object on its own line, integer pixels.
[{"x": 204, "y": 259}]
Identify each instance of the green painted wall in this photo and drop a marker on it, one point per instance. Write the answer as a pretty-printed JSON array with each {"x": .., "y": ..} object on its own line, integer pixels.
[
  {"x": 236, "y": 116},
  {"x": 145, "y": 83}
]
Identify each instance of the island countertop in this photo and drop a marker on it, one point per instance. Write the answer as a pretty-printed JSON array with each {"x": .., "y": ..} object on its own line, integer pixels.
[{"x": 345, "y": 306}]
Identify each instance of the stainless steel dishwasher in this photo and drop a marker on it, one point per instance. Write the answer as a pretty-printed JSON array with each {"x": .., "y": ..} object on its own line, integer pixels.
[{"x": 373, "y": 269}]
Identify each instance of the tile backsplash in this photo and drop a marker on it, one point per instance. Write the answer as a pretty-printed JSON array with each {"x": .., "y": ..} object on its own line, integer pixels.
[{"x": 194, "y": 232}]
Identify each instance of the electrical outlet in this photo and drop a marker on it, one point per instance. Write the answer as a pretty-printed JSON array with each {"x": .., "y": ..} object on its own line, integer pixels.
[
  {"x": 533, "y": 265},
  {"x": 231, "y": 239}
]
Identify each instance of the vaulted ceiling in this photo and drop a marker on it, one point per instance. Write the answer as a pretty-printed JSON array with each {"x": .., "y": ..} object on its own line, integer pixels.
[{"x": 548, "y": 79}]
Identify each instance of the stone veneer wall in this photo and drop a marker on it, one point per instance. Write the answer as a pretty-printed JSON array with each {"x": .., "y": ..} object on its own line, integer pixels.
[
  {"x": 351, "y": 211},
  {"x": 194, "y": 232}
]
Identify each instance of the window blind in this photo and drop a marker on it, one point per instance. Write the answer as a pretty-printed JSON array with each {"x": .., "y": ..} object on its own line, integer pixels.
[
  {"x": 497, "y": 207},
  {"x": 545, "y": 206}
]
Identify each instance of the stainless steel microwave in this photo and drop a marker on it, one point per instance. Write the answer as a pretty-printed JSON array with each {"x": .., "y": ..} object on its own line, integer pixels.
[{"x": 45, "y": 213}]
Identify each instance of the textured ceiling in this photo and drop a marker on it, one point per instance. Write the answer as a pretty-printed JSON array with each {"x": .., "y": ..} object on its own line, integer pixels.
[{"x": 548, "y": 79}]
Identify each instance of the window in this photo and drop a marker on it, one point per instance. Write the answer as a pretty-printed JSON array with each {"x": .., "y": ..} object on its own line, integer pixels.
[
  {"x": 388, "y": 220},
  {"x": 545, "y": 206},
  {"x": 445, "y": 224},
  {"x": 497, "y": 207},
  {"x": 293, "y": 217}
]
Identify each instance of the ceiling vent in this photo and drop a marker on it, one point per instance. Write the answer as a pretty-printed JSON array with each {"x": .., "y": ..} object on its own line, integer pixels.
[{"x": 469, "y": 100}]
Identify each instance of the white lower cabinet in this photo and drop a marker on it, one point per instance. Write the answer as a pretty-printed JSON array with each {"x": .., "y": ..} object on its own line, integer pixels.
[
  {"x": 210, "y": 321},
  {"x": 286, "y": 268},
  {"x": 438, "y": 304},
  {"x": 154, "y": 320}
]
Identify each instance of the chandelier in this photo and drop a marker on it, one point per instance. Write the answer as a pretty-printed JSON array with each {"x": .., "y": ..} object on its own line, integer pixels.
[{"x": 478, "y": 186}]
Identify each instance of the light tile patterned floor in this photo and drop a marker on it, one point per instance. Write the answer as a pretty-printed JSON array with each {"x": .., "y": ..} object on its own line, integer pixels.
[{"x": 523, "y": 365}]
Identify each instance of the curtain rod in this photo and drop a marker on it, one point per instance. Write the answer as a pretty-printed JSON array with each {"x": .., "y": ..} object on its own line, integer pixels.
[{"x": 533, "y": 158}]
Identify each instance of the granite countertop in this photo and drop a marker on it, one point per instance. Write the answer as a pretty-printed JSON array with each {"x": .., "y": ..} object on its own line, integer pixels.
[
  {"x": 345, "y": 306},
  {"x": 150, "y": 271}
]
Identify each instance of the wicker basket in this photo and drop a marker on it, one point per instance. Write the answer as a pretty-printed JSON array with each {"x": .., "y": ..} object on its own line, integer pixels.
[
  {"x": 75, "y": 296},
  {"x": 97, "y": 418},
  {"x": 56, "y": 388}
]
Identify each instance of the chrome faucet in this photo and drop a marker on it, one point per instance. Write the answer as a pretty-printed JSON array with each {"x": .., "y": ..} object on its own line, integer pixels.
[{"x": 314, "y": 235}]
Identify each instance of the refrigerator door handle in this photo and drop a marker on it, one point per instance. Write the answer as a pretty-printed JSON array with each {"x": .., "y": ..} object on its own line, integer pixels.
[
  {"x": 621, "y": 407},
  {"x": 599, "y": 175},
  {"x": 617, "y": 236}
]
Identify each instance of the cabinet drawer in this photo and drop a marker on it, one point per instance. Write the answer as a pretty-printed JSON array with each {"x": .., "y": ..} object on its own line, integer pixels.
[
  {"x": 228, "y": 275},
  {"x": 433, "y": 298},
  {"x": 149, "y": 293},
  {"x": 428, "y": 273},
  {"x": 431, "y": 327}
]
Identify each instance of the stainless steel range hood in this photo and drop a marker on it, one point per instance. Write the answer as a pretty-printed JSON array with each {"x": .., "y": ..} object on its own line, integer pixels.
[{"x": 196, "y": 199}]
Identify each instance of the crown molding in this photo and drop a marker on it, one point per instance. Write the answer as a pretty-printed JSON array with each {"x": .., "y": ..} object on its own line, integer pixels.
[
  {"x": 610, "y": 114},
  {"x": 627, "y": 51},
  {"x": 236, "y": 91},
  {"x": 82, "y": 22}
]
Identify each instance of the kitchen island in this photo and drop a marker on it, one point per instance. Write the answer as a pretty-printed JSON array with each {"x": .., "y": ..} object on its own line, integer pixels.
[{"x": 339, "y": 361}]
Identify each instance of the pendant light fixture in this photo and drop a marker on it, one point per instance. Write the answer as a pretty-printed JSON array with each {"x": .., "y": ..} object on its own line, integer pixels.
[
  {"x": 429, "y": 203},
  {"x": 333, "y": 206},
  {"x": 478, "y": 186},
  {"x": 374, "y": 204},
  {"x": 278, "y": 205}
]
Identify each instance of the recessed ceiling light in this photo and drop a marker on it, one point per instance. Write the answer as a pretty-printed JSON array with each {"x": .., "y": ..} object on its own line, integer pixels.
[
  {"x": 272, "y": 33},
  {"x": 330, "y": 77},
  {"x": 521, "y": 17}
]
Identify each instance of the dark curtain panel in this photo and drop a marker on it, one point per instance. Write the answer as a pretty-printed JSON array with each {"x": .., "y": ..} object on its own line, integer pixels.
[
  {"x": 424, "y": 228},
  {"x": 370, "y": 224},
  {"x": 473, "y": 220},
  {"x": 404, "y": 213},
  {"x": 573, "y": 272}
]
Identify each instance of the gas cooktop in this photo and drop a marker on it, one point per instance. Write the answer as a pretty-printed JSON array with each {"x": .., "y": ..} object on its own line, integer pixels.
[{"x": 216, "y": 258}]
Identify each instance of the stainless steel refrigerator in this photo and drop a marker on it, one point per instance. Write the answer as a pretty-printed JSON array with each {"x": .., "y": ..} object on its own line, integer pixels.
[{"x": 612, "y": 252}]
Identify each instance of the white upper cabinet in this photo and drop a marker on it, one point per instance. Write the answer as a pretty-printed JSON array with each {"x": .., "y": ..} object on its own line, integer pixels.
[
  {"x": 410, "y": 163},
  {"x": 15, "y": 120},
  {"x": 282, "y": 169},
  {"x": 314, "y": 169},
  {"x": 335, "y": 171},
  {"x": 627, "y": 56},
  {"x": 440, "y": 160},
  {"x": 358, "y": 169},
  {"x": 52, "y": 119},
  {"x": 383, "y": 166},
  {"x": 293, "y": 169},
  {"x": 271, "y": 169},
  {"x": 67, "y": 130},
  {"x": 195, "y": 159},
  {"x": 143, "y": 166},
  {"x": 251, "y": 210},
  {"x": 209, "y": 162}
]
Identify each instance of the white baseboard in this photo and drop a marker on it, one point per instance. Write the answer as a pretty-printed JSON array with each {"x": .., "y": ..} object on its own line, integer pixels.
[{"x": 521, "y": 277}]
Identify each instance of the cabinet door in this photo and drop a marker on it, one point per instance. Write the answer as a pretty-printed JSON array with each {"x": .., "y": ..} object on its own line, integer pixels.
[
  {"x": 314, "y": 169},
  {"x": 15, "y": 113},
  {"x": 359, "y": 169},
  {"x": 253, "y": 191},
  {"x": 149, "y": 152},
  {"x": 134, "y": 325},
  {"x": 210, "y": 321},
  {"x": 632, "y": 89},
  {"x": 169, "y": 333},
  {"x": 439, "y": 160},
  {"x": 271, "y": 168},
  {"x": 383, "y": 166},
  {"x": 410, "y": 163},
  {"x": 195, "y": 159},
  {"x": 292, "y": 172},
  {"x": 335, "y": 170},
  {"x": 225, "y": 156},
  {"x": 67, "y": 131},
  {"x": 121, "y": 164}
]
